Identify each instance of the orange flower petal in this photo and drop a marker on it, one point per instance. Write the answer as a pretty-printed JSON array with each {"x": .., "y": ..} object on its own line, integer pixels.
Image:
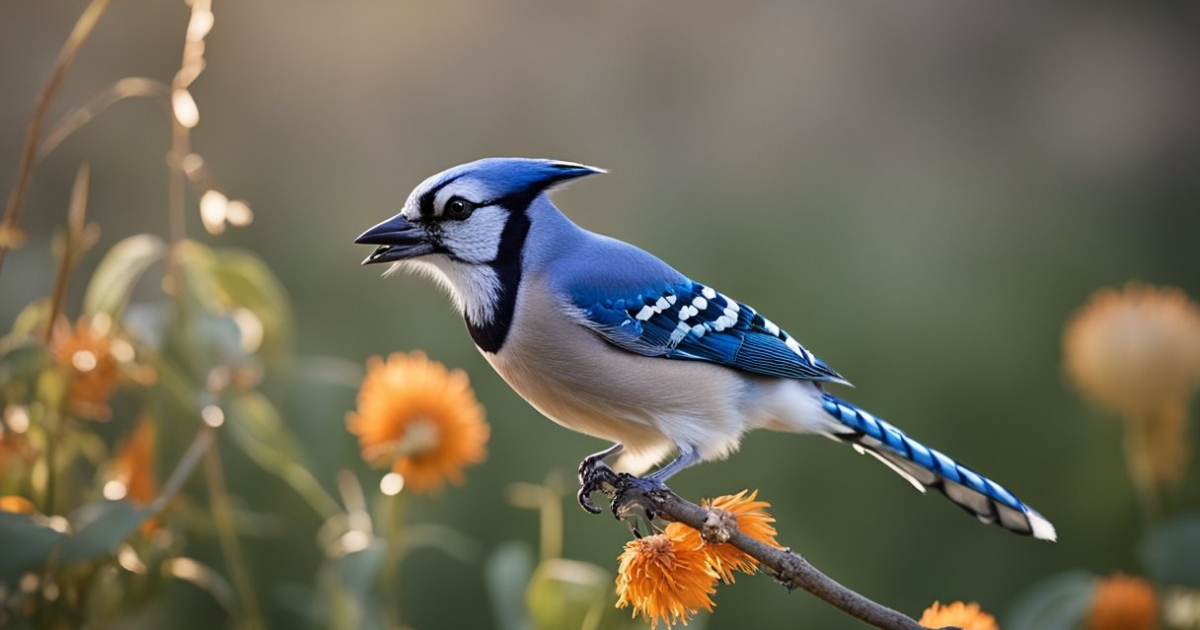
[
  {"x": 133, "y": 465},
  {"x": 1137, "y": 352},
  {"x": 752, "y": 520},
  {"x": 664, "y": 580},
  {"x": 1134, "y": 348},
  {"x": 17, "y": 504},
  {"x": 966, "y": 616},
  {"x": 420, "y": 419},
  {"x": 85, "y": 353},
  {"x": 1123, "y": 602}
]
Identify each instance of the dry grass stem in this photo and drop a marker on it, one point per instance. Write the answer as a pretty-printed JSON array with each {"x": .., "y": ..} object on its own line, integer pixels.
[
  {"x": 76, "y": 214},
  {"x": 129, "y": 87},
  {"x": 79, "y": 34}
]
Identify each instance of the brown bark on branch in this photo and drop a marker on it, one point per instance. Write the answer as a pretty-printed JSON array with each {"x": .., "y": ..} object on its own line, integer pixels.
[{"x": 792, "y": 570}]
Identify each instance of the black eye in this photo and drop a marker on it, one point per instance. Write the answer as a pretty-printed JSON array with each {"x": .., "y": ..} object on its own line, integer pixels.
[{"x": 458, "y": 208}]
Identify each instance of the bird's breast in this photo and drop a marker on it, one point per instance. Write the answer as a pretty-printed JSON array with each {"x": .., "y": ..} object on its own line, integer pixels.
[{"x": 579, "y": 380}]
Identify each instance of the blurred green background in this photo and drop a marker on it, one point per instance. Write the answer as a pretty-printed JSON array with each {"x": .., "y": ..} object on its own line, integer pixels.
[{"x": 921, "y": 192}]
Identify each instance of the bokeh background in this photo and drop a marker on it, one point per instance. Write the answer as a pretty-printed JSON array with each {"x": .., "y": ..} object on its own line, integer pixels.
[{"x": 921, "y": 192}]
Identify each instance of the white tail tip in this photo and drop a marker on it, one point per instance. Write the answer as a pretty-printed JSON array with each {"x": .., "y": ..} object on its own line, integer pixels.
[{"x": 1042, "y": 529}]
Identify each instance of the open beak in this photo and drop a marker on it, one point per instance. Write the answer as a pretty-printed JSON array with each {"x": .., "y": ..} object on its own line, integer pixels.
[{"x": 397, "y": 238}]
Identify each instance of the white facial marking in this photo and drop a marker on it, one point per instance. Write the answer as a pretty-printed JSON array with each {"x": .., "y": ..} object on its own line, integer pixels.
[
  {"x": 477, "y": 238},
  {"x": 468, "y": 189}
]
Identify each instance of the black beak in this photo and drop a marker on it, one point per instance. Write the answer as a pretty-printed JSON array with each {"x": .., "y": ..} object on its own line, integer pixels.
[{"x": 397, "y": 240}]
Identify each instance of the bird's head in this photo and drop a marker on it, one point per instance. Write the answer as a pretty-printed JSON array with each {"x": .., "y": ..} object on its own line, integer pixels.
[{"x": 463, "y": 214}]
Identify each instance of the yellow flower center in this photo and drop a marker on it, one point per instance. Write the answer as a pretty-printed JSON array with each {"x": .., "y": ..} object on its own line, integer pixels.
[{"x": 420, "y": 437}]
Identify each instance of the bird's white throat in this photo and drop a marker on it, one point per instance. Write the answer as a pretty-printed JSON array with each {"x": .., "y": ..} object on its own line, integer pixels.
[{"x": 474, "y": 289}]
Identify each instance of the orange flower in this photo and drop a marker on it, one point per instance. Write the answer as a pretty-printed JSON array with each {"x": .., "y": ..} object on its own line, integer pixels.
[
  {"x": 965, "y": 616},
  {"x": 420, "y": 419},
  {"x": 17, "y": 504},
  {"x": 132, "y": 471},
  {"x": 752, "y": 520},
  {"x": 133, "y": 466},
  {"x": 664, "y": 578},
  {"x": 1137, "y": 352},
  {"x": 1123, "y": 602},
  {"x": 86, "y": 355}
]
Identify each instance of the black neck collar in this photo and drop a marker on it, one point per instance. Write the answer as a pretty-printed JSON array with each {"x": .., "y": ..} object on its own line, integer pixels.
[{"x": 491, "y": 335}]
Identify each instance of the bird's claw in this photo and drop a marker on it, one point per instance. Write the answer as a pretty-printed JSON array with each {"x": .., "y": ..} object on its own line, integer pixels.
[
  {"x": 626, "y": 504},
  {"x": 627, "y": 491},
  {"x": 594, "y": 475}
]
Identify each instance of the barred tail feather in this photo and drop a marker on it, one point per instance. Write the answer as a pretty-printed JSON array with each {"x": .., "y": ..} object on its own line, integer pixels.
[{"x": 926, "y": 468}]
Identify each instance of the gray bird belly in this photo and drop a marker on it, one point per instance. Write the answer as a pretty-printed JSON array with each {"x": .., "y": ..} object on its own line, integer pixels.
[{"x": 582, "y": 382}]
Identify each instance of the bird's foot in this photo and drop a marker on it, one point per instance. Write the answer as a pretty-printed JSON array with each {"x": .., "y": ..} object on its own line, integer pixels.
[
  {"x": 595, "y": 475},
  {"x": 633, "y": 497}
]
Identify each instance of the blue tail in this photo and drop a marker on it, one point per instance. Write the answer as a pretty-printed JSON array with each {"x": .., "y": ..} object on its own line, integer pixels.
[{"x": 926, "y": 468}]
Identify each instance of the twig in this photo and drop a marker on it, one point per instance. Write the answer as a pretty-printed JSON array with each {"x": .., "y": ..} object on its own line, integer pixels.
[
  {"x": 75, "y": 225},
  {"x": 231, "y": 548},
  {"x": 129, "y": 87},
  {"x": 79, "y": 34},
  {"x": 788, "y": 567}
]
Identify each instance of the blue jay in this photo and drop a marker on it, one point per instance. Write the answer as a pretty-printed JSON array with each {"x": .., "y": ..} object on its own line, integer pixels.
[{"x": 606, "y": 339}]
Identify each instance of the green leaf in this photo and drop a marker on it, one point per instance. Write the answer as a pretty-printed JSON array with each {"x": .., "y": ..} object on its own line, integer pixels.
[
  {"x": 119, "y": 271},
  {"x": 349, "y": 585},
  {"x": 1171, "y": 553},
  {"x": 357, "y": 571},
  {"x": 245, "y": 281},
  {"x": 507, "y": 574},
  {"x": 21, "y": 357},
  {"x": 196, "y": 264},
  {"x": 219, "y": 338},
  {"x": 227, "y": 282},
  {"x": 31, "y": 321},
  {"x": 203, "y": 577},
  {"x": 1057, "y": 603},
  {"x": 257, "y": 429},
  {"x": 26, "y": 544},
  {"x": 101, "y": 528},
  {"x": 568, "y": 595}
]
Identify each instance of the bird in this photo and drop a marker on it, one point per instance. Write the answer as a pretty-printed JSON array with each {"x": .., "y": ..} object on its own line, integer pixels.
[{"x": 604, "y": 338}]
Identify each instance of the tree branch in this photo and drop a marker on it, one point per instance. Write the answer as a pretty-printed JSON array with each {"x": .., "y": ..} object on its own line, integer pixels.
[{"x": 785, "y": 565}]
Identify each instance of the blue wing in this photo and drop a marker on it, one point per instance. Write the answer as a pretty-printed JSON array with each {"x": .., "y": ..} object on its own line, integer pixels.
[{"x": 688, "y": 320}]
